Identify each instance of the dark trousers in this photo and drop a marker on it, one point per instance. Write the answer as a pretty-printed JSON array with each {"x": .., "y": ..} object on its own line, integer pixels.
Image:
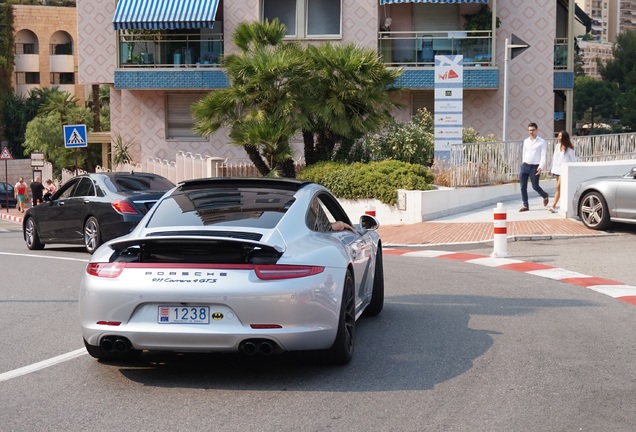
[{"x": 529, "y": 171}]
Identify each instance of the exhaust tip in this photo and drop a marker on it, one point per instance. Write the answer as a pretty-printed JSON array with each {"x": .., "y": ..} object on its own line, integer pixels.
[
  {"x": 115, "y": 344},
  {"x": 122, "y": 345},
  {"x": 249, "y": 348},
  {"x": 265, "y": 348},
  {"x": 107, "y": 344},
  {"x": 259, "y": 346}
]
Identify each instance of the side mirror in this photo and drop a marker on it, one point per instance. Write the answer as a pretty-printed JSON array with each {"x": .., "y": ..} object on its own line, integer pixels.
[
  {"x": 368, "y": 222},
  {"x": 632, "y": 173}
]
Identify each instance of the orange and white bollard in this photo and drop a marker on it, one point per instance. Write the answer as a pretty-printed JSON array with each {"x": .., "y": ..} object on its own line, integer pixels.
[
  {"x": 370, "y": 210},
  {"x": 500, "y": 232}
]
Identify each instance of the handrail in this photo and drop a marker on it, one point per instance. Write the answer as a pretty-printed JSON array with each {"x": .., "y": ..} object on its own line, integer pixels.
[{"x": 418, "y": 48}]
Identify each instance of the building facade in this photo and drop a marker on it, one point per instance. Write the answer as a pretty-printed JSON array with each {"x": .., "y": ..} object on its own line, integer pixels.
[
  {"x": 156, "y": 74},
  {"x": 590, "y": 52},
  {"x": 605, "y": 18},
  {"x": 627, "y": 15},
  {"x": 46, "y": 49}
]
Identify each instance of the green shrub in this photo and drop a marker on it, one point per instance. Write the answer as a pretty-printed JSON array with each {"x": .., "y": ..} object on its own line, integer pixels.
[
  {"x": 411, "y": 142},
  {"x": 379, "y": 180}
]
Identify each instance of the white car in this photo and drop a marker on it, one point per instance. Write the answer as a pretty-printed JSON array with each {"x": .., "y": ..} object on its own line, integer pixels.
[{"x": 234, "y": 265}]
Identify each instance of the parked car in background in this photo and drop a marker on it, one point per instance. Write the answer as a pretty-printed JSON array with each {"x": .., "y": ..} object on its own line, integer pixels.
[
  {"x": 93, "y": 208},
  {"x": 603, "y": 200},
  {"x": 235, "y": 265},
  {"x": 7, "y": 197}
]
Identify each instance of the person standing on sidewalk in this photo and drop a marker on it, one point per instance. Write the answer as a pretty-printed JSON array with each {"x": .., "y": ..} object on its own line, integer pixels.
[
  {"x": 21, "y": 192},
  {"x": 533, "y": 161},
  {"x": 37, "y": 190},
  {"x": 563, "y": 152}
]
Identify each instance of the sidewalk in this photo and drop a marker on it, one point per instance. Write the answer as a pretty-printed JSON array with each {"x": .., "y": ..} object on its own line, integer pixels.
[{"x": 475, "y": 226}]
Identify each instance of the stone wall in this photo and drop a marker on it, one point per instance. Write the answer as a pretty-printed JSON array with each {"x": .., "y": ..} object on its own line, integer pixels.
[{"x": 16, "y": 168}]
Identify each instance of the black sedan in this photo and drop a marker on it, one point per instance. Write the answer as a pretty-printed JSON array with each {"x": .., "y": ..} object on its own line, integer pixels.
[
  {"x": 91, "y": 209},
  {"x": 7, "y": 198}
]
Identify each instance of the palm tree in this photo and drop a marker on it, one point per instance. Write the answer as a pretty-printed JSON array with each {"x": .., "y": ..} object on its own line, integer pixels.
[
  {"x": 333, "y": 94},
  {"x": 348, "y": 97},
  {"x": 260, "y": 105}
]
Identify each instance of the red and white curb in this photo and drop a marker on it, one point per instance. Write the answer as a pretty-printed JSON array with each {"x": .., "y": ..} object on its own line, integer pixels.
[
  {"x": 11, "y": 217},
  {"x": 617, "y": 290}
]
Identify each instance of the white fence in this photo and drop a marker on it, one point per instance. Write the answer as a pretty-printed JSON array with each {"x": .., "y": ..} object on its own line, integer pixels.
[{"x": 499, "y": 162}]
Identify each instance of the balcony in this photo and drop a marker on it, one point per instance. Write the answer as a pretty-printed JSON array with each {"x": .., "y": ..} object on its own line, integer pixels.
[
  {"x": 27, "y": 63},
  {"x": 163, "y": 50},
  {"x": 418, "y": 49},
  {"x": 560, "y": 54}
]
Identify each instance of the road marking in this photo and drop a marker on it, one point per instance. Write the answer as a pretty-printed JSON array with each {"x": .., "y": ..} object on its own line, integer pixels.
[
  {"x": 44, "y": 256},
  {"x": 617, "y": 290},
  {"x": 41, "y": 365}
]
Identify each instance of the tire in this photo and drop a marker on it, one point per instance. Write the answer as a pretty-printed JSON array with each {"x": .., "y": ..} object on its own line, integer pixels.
[
  {"x": 593, "y": 211},
  {"x": 341, "y": 351},
  {"x": 99, "y": 354},
  {"x": 92, "y": 236},
  {"x": 31, "y": 235},
  {"x": 377, "y": 297}
]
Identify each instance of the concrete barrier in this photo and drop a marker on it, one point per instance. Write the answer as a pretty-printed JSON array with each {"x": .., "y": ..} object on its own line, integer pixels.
[{"x": 420, "y": 206}]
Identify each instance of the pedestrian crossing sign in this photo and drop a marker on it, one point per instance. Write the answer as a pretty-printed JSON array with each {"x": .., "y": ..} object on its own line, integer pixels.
[{"x": 75, "y": 136}]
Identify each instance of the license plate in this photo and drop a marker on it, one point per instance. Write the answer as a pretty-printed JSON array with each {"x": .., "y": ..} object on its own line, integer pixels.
[{"x": 183, "y": 315}]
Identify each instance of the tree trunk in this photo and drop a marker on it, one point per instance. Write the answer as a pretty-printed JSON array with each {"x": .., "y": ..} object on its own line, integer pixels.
[
  {"x": 97, "y": 124},
  {"x": 257, "y": 160},
  {"x": 310, "y": 153},
  {"x": 287, "y": 168}
]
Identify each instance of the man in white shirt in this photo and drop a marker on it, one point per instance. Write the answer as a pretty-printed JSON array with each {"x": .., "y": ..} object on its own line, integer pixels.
[{"x": 534, "y": 156}]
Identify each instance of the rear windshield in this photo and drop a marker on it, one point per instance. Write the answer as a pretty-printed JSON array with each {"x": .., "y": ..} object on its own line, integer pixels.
[
  {"x": 138, "y": 183},
  {"x": 256, "y": 208}
]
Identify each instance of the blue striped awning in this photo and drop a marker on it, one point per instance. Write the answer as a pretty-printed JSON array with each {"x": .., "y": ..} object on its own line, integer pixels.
[
  {"x": 164, "y": 14},
  {"x": 383, "y": 2}
]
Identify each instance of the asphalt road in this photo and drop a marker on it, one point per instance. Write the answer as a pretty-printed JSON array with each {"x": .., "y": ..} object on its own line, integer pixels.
[{"x": 457, "y": 347}]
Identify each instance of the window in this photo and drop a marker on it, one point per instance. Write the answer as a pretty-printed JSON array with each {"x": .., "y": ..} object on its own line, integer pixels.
[
  {"x": 306, "y": 18},
  {"x": 179, "y": 120},
  {"x": 28, "y": 48},
  {"x": 323, "y": 211},
  {"x": 85, "y": 188},
  {"x": 27, "y": 78},
  {"x": 62, "y": 78},
  {"x": 67, "y": 190}
]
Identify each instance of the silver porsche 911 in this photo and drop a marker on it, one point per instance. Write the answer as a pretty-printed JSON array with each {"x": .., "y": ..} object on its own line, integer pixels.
[
  {"x": 603, "y": 200},
  {"x": 235, "y": 265}
]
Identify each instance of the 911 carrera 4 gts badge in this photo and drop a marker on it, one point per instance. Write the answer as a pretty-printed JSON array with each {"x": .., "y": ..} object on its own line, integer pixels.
[{"x": 217, "y": 316}]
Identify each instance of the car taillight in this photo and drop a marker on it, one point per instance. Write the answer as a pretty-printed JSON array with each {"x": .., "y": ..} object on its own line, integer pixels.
[
  {"x": 124, "y": 207},
  {"x": 276, "y": 271},
  {"x": 106, "y": 270}
]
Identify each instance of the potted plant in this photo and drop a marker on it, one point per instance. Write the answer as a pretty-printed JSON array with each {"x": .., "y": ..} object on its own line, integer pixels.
[
  {"x": 476, "y": 45},
  {"x": 209, "y": 58}
]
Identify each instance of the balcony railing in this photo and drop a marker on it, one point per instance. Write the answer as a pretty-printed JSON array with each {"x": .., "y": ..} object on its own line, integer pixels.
[
  {"x": 170, "y": 50},
  {"x": 560, "y": 53},
  {"x": 25, "y": 48},
  {"x": 420, "y": 48}
]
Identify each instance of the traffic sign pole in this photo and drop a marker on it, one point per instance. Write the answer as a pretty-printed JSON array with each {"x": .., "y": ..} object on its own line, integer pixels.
[
  {"x": 511, "y": 51},
  {"x": 5, "y": 155}
]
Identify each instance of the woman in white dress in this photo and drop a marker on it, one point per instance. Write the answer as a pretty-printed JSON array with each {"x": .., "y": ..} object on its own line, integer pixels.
[{"x": 563, "y": 152}]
